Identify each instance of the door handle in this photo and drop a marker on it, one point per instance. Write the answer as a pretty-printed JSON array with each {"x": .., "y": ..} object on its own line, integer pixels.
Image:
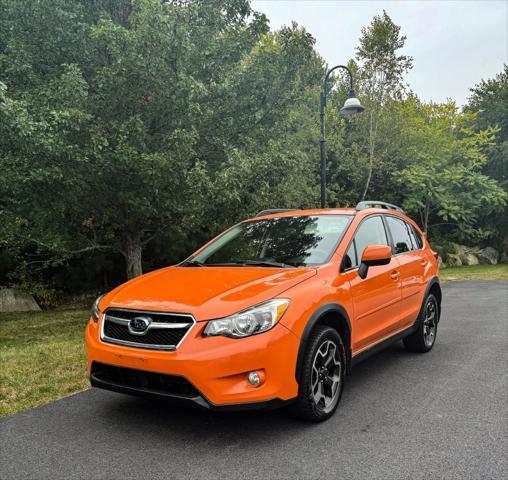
[
  {"x": 423, "y": 262},
  {"x": 394, "y": 274}
]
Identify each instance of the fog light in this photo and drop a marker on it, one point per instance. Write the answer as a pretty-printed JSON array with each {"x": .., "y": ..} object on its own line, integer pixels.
[{"x": 254, "y": 379}]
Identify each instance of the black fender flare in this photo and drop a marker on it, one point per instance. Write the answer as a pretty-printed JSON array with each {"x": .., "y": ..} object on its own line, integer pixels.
[{"x": 324, "y": 309}]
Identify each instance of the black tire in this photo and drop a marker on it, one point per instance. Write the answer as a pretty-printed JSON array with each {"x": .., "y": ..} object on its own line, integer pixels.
[
  {"x": 424, "y": 338},
  {"x": 329, "y": 385}
]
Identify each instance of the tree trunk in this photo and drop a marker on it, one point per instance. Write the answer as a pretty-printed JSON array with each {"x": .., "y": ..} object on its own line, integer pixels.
[
  {"x": 427, "y": 215},
  {"x": 371, "y": 153},
  {"x": 132, "y": 252}
]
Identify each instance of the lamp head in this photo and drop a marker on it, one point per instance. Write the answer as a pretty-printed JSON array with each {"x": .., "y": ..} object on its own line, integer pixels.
[{"x": 352, "y": 105}]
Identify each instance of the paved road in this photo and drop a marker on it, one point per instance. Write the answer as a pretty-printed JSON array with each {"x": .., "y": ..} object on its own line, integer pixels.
[{"x": 440, "y": 415}]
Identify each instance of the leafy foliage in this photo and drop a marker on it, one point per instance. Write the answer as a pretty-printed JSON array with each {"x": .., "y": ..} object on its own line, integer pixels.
[
  {"x": 133, "y": 130},
  {"x": 489, "y": 101},
  {"x": 443, "y": 181}
]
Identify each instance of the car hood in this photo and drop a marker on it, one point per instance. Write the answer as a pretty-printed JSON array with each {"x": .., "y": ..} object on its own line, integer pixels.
[{"x": 205, "y": 292}]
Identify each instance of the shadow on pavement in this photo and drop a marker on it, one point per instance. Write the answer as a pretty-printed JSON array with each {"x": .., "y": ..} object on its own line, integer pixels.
[{"x": 137, "y": 414}]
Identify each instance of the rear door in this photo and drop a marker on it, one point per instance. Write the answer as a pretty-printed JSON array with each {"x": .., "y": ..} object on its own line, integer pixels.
[
  {"x": 412, "y": 262},
  {"x": 376, "y": 299}
]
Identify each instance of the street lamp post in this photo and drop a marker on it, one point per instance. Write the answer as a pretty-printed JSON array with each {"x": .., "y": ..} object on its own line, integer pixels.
[{"x": 351, "y": 106}]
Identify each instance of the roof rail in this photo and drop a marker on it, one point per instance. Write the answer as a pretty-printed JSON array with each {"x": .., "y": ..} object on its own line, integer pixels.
[
  {"x": 262, "y": 213},
  {"x": 378, "y": 204}
]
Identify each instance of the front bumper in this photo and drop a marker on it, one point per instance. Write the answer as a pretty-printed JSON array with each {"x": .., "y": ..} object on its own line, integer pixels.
[
  {"x": 216, "y": 366},
  {"x": 195, "y": 400}
]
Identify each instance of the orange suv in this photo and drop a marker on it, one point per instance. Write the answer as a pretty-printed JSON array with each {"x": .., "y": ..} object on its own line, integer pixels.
[{"x": 276, "y": 310}]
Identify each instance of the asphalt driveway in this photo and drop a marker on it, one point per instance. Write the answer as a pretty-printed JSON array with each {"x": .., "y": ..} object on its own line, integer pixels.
[{"x": 440, "y": 415}]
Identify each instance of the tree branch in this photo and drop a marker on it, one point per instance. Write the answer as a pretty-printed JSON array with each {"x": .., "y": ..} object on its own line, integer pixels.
[
  {"x": 443, "y": 223},
  {"x": 78, "y": 251}
]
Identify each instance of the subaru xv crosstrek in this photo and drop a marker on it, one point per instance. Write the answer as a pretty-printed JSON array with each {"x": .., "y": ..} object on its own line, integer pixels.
[{"x": 274, "y": 311}]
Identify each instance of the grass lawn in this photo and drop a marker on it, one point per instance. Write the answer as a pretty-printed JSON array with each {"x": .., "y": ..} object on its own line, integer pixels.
[
  {"x": 475, "y": 272},
  {"x": 42, "y": 356}
]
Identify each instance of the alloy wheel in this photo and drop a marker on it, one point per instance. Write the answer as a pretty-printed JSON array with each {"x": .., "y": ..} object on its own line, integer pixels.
[
  {"x": 430, "y": 323},
  {"x": 326, "y": 376}
]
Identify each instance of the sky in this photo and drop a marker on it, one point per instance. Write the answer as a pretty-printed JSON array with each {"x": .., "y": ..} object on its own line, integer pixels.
[{"x": 454, "y": 43}]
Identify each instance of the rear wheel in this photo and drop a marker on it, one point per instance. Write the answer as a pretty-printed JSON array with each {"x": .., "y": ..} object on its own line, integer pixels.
[
  {"x": 322, "y": 378},
  {"x": 423, "y": 339}
]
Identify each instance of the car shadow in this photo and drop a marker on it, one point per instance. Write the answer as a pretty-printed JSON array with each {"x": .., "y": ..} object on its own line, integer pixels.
[{"x": 158, "y": 418}]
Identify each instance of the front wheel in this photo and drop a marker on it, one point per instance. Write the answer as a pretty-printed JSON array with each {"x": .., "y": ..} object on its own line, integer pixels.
[
  {"x": 423, "y": 339},
  {"x": 322, "y": 379}
]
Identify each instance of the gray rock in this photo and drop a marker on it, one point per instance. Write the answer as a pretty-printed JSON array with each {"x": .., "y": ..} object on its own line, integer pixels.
[
  {"x": 469, "y": 259},
  {"x": 440, "y": 262},
  {"x": 16, "y": 301},
  {"x": 454, "y": 260},
  {"x": 488, "y": 256},
  {"x": 467, "y": 255}
]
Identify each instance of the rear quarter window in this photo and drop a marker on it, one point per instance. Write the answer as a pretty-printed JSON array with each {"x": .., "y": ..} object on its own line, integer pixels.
[
  {"x": 417, "y": 237},
  {"x": 401, "y": 235}
]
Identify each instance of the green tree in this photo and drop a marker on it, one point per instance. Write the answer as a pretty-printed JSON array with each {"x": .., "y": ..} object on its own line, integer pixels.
[
  {"x": 270, "y": 125},
  {"x": 360, "y": 153},
  {"x": 381, "y": 76},
  {"x": 443, "y": 183},
  {"x": 117, "y": 100},
  {"x": 489, "y": 100}
]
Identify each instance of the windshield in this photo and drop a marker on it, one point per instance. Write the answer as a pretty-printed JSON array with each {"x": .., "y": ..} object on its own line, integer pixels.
[{"x": 279, "y": 242}]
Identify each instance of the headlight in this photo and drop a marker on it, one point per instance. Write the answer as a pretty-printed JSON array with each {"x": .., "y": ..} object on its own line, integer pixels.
[
  {"x": 95, "y": 309},
  {"x": 249, "y": 322}
]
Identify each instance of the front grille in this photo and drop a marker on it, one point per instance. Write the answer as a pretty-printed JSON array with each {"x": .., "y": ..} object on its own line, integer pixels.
[
  {"x": 153, "y": 337},
  {"x": 159, "y": 317},
  {"x": 141, "y": 379},
  {"x": 165, "y": 332}
]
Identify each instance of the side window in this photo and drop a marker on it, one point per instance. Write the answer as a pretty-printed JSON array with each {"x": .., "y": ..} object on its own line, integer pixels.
[
  {"x": 412, "y": 236},
  {"x": 370, "y": 232},
  {"x": 417, "y": 238},
  {"x": 400, "y": 235}
]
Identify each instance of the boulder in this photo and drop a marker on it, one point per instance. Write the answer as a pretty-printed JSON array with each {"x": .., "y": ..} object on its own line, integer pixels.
[
  {"x": 469, "y": 259},
  {"x": 12, "y": 300},
  {"x": 454, "y": 260},
  {"x": 467, "y": 255},
  {"x": 440, "y": 262},
  {"x": 488, "y": 256}
]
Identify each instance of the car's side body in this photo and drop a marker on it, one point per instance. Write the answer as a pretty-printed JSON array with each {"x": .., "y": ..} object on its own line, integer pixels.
[{"x": 367, "y": 312}]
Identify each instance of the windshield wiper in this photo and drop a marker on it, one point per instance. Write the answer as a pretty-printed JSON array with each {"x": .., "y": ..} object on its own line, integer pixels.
[
  {"x": 226, "y": 264},
  {"x": 242, "y": 263},
  {"x": 266, "y": 263}
]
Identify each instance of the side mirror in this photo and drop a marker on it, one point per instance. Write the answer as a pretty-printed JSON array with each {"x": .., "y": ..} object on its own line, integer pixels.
[{"x": 374, "y": 255}]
